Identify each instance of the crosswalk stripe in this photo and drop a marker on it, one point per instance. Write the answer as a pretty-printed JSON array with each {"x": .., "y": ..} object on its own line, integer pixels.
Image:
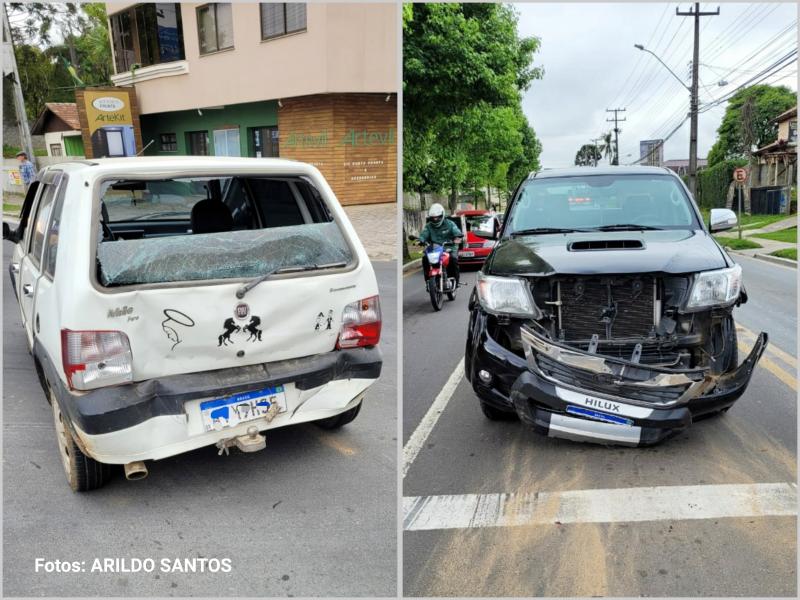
[{"x": 622, "y": 505}]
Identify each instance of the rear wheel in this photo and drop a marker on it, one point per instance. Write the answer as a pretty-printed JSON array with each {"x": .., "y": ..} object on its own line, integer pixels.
[
  {"x": 436, "y": 293},
  {"x": 339, "y": 420},
  {"x": 83, "y": 472}
]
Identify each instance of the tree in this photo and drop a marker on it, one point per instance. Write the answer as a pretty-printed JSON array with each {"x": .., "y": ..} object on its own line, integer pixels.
[
  {"x": 465, "y": 69},
  {"x": 607, "y": 146},
  {"x": 749, "y": 120},
  {"x": 43, "y": 61},
  {"x": 587, "y": 156}
]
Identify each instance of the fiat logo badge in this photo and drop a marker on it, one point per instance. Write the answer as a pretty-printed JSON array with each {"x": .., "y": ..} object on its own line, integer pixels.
[{"x": 241, "y": 311}]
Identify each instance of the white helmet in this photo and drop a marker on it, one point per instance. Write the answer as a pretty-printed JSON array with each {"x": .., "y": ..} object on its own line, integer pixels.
[{"x": 436, "y": 213}]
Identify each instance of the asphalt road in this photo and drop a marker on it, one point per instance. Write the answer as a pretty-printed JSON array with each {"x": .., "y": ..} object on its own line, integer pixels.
[
  {"x": 312, "y": 515},
  {"x": 465, "y": 454}
]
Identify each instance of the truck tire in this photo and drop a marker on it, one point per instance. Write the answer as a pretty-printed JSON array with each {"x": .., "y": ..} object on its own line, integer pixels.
[
  {"x": 83, "y": 472},
  {"x": 496, "y": 414},
  {"x": 339, "y": 420}
]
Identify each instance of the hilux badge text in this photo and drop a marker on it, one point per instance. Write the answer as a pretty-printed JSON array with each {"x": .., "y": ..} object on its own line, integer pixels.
[{"x": 601, "y": 404}]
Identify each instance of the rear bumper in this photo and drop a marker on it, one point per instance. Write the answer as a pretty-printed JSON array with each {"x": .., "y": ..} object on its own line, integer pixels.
[
  {"x": 160, "y": 417},
  {"x": 631, "y": 404}
]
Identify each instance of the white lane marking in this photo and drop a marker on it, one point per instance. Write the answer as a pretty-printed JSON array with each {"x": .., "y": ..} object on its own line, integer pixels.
[
  {"x": 665, "y": 503},
  {"x": 423, "y": 430}
]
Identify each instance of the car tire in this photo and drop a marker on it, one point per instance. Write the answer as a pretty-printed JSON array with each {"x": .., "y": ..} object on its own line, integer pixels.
[
  {"x": 83, "y": 472},
  {"x": 496, "y": 414},
  {"x": 339, "y": 420}
]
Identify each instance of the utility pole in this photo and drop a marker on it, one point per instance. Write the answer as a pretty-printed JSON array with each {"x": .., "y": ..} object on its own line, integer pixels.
[
  {"x": 693, "y": 103},
  {"x": 10, "y": 64},
  {"x": 616, "y": 120}
]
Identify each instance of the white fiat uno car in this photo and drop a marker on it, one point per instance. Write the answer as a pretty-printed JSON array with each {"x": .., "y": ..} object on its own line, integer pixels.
[{"x": 175, "y": 303}]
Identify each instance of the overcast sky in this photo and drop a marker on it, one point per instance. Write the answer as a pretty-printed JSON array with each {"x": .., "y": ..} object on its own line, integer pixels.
[{"x": 590, "y": 64}]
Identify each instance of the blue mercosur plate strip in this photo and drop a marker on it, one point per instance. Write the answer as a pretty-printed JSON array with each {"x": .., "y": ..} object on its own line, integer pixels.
[
  {"x": 598, "y": 416},
  {"x": 241, "y": 397}
]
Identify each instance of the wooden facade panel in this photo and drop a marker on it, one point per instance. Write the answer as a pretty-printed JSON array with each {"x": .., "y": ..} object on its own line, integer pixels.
[{"x": 350, "y": 138}]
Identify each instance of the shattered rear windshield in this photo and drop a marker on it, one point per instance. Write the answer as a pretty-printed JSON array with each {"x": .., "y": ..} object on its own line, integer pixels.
[{"x": 205, "y": 228}]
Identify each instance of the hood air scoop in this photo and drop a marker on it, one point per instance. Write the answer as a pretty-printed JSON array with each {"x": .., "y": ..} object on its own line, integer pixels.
[{"x": 581, "y": 245}]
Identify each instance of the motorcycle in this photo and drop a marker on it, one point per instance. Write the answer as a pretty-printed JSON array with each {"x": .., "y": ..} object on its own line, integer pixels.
[{"x": 438, "y": 282}]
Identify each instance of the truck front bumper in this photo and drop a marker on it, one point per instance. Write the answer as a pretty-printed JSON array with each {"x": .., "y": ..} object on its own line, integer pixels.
[
  {"x": 568, "y": 393},
  {"x": 157, "y": 418}
]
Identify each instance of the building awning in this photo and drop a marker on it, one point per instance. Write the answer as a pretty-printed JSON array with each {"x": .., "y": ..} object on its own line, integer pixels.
[{"x": 777, "y": 147}]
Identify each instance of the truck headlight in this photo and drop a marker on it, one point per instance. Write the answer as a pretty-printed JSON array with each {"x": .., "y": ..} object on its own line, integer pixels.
[
  {"x": 506, "y": 296},
  {"x": 713, "y": 288}
]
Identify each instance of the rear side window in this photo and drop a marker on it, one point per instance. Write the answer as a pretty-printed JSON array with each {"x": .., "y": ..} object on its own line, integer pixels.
[
  {"x": 51, "y": 240},
  {"x": 40, "y": 222},
  {"x": 209, "y": 228}
]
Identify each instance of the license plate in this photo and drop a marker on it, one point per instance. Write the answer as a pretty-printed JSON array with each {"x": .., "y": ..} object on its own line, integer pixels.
[
  {"x": 467, "y": 254},
  {"x": 596, "y": 415},
  {"x": 223, "y": 413}
]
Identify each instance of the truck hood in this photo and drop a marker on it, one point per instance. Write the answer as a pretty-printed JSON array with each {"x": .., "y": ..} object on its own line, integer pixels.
[{"x": 667, "y": 251}]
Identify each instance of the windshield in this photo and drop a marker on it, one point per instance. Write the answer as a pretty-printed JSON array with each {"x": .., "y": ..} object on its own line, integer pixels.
[
  {"x": 602, "y": 201},
  {"x": 481, "y": 223},
  {"x": 206, "y": 228}
]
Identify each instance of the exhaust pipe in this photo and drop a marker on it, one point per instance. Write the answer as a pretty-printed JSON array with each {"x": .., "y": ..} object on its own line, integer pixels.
[{"x": 135, "y": 470}]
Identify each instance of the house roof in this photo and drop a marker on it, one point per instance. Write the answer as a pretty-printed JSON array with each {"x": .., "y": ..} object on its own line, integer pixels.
[
  {"x": 66, "y": 112},
  {"x": 792, "y": 112}
]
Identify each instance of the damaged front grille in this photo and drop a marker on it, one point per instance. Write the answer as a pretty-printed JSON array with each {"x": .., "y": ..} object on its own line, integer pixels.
[
  {"x": 604, "y": 383},
  {"x": 611, "y": 307}
]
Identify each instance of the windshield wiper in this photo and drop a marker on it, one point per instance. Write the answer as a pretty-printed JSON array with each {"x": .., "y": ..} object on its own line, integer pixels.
[
  {"x": 627, "y": 227},
  {"x": 535, "y": 230},
  {"x": 293, "y": 269}
]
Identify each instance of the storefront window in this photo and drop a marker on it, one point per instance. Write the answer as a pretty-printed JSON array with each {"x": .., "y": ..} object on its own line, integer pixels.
[
  {"x": 226, "y": 142},
  {"x": 281, "y": 18},
  {"x": 169, "y": 142},
  {"x": 158, "y": 30},
  {"x": 215, "y": 27},
  {"x": 792, "y": 131},
  {"x": 197, "y": 142},
  {"x": 265, "y": 141}
]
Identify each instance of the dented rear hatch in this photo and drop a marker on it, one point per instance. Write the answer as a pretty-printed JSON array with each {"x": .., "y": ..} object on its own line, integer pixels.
[{"x": 272, "y": 284}]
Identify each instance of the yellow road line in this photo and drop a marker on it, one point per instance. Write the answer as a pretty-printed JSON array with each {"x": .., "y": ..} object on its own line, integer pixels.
[
  {"x": 787, "y": 378},
  {"x": 771, "y": 348}
]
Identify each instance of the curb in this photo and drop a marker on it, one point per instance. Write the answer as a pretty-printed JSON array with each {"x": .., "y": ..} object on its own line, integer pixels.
[
  {"x": 412, "y": 265},
  {"x": 786, "y": 262}
]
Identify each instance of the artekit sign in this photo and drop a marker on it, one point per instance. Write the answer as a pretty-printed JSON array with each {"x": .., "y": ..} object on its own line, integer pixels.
[{"x": 105, "y": 108}]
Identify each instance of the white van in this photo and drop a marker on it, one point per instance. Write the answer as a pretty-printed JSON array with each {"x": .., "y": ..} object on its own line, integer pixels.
[{"x": 174, "y": 303}]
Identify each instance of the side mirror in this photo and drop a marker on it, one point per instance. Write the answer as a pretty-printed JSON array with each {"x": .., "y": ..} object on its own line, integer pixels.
[
  {"x": 722, "y": 219},
  {"x": 7, "y": 234}
]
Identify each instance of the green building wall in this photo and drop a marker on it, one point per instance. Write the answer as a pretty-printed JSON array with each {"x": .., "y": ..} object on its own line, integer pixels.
[{"x": 246, "y": 116}]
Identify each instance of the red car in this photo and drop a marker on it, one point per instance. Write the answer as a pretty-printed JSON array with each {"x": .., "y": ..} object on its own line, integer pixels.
[{"x": 478, "y": 245}]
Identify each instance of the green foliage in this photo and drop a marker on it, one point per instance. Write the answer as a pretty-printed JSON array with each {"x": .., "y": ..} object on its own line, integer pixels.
[
  {"x": 788, "y": 236},
  {"x": 713, "y": 183},
  {"x": 588, "y": 156},
  {"x": 11, "y": 151},
  {"x": 465, "y": 69},
  {"x": 735, "y": 243},
  {"x": 766, "y": 102},
  {"x": 43, "y": 65},
  {"x": 790, "y": 253}
]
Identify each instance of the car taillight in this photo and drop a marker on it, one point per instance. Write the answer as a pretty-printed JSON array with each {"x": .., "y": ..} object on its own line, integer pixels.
[
  {"x": 361, "y": 323},
  {"x": 95, "y": 359}
]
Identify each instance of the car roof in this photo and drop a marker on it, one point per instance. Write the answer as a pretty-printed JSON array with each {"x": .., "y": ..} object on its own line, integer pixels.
[
  {"x": 472, "y": 212},
  {"x": 137, "y": 165},
  {"x": 604, "y": 170}
]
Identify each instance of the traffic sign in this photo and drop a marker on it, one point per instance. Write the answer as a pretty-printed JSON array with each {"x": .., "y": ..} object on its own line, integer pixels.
[{"x": 740, "y": 175}]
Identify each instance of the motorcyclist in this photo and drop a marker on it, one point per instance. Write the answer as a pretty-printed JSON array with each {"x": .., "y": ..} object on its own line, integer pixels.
[{"x": 445, "y": 232}]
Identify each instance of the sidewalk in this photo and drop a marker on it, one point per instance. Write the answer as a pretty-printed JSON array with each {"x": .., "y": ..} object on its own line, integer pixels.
[
  {"x": 767, "y": 246},
  {"x": 376, "y": 225}
]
